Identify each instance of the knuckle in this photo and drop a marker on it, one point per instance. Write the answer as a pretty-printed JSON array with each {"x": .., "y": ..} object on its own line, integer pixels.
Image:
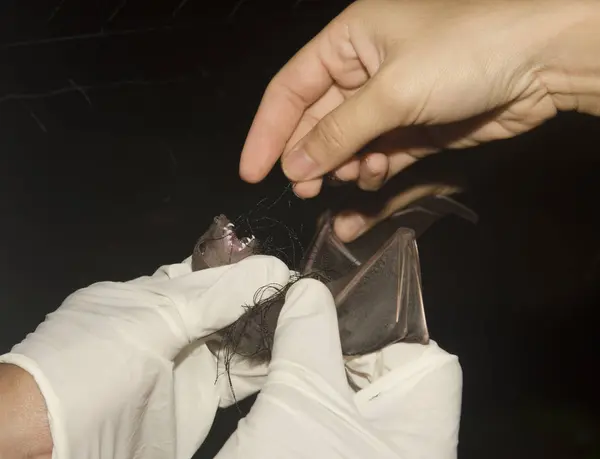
[
  {"x": 264, "y": 268},
  {"x": 330, "y": 134},
  {"x": 312, "y": 293}
]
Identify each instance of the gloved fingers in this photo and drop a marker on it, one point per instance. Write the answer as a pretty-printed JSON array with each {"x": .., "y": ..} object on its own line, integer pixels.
[
  {"x": 239, "y": 380},
  {"x": 166, "y": 272},
  {"x": 196, "y": 398},
  {"x": 176, "y": 308},
  {"x": 216, "y": 297},
  {"x": 307, "y": 335},
  {"x": 202, "y": 386}
]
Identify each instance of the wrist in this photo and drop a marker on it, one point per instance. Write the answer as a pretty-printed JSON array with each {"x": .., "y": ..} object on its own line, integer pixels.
[
  {"x": 570, "y": 59},
  {"x": 24, "y": 427}
]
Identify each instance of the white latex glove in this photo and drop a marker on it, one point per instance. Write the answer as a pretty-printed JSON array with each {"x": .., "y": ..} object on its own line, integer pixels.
[
  {"x": 104, "y": 361},
  {"x": 307, "y": 410}
]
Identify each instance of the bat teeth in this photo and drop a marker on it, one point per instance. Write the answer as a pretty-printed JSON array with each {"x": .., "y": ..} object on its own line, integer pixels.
[{"x": 246, "y": 241}]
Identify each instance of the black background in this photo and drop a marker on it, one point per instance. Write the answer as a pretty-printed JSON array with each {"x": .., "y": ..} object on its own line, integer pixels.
[{"x": 120, "y": 133}]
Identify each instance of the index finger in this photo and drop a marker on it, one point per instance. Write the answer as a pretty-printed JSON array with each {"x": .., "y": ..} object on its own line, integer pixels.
[
  {"x": 299, "y": 84},
  {"x": 307, "y": 335}
]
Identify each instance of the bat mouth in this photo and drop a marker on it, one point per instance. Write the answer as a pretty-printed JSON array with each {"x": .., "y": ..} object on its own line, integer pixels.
[
  {"x": 221, "y": 245},
  {"x": 235, "y": 244}
]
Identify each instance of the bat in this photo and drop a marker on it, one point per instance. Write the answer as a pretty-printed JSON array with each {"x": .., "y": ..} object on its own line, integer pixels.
[{"x": 375, "y": 281}]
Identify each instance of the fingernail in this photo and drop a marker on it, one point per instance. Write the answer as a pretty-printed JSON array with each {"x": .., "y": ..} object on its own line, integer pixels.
[
  {"x": 308, "y": 189},
  {"x": 350, "y": 227},
  {"x": 295, "y": 191},
  {"x": 298, "y": 165}
]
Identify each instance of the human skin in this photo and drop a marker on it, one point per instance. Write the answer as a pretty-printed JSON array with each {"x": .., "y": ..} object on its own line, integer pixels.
[
  {"x": 401, "y": 79},
  {"x": 429, "y": 74},
  {"x": 24, "y": 429}
]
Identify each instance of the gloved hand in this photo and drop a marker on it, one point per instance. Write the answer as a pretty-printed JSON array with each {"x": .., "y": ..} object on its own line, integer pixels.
[
  {"x": 410, "y": 408},
  {"x": 110, "y": 365}
]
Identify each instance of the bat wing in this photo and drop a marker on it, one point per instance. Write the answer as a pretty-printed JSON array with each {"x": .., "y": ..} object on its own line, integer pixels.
[
  {"x": 376, "y": 280},
  {"x": 382, "y": 302},
  {"x": 419, "y": 217}
]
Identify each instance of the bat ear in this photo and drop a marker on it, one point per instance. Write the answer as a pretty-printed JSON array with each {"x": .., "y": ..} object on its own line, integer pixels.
[{"x": 383, "y": 304}]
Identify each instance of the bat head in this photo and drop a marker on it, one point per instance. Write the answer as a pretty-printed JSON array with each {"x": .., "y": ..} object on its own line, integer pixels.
[{"x": 220, "y": 246}]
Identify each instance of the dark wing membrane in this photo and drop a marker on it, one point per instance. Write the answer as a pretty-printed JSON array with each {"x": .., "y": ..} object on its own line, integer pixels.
[
  {"x": 382, "y": 303},
  {"x": 376, "y": 279}
]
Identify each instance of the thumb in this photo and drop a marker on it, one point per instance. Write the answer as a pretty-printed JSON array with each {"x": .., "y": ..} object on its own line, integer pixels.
[
  {"x": 366, "y": 115},
  {"x": 211, "y": 299},
  {"x": 307, "y": 333}
]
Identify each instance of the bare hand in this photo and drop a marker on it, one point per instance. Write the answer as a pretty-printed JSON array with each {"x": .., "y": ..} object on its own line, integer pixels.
[{"x": 414, "y": 76}]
